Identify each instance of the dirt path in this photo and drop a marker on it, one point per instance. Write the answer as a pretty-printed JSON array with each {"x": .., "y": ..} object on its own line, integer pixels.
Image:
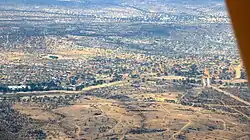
[
  {"x": 183, "y": 128},
  {"x": 78, "y": 131},
  {"x": 118, "y": 123},
  {"x": 164, "y": 108},
  {"x": 236, "y": 110},
  {"x": 231, "y": 95},
  {"x": 123, "y": 136}
]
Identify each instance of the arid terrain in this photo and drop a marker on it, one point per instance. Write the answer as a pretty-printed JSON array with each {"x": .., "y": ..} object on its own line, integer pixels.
[
  {"x": 132, "y": 113},
  {"x": 120, "y": 70}
]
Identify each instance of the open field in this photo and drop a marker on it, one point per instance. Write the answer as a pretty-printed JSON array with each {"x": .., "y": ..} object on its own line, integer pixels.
[
  {"x": 130, "y": 120},
  {"x": 122, "y": 111}
]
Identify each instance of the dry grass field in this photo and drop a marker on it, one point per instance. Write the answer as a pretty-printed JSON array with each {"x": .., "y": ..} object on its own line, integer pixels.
[{"x": 96, "y": 118}]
